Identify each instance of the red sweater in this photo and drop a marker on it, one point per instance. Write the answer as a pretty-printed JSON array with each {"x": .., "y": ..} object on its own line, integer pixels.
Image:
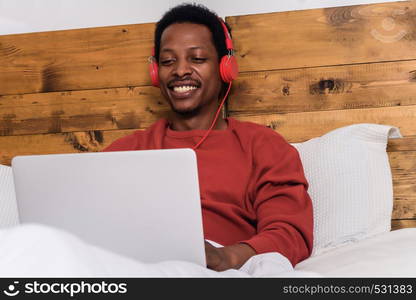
[{"x": 252, "y": 185}]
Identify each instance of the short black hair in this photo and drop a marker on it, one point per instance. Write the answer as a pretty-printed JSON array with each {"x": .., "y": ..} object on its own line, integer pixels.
[{"x": 196, "y": 14}]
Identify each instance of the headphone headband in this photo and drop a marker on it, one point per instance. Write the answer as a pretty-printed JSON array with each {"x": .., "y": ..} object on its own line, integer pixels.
[{"x": 228, "y": 41}]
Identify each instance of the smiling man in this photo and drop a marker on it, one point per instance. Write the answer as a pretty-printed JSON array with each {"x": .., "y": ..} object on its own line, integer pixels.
[
  {"x": 253, "y": 190},
  {"x": 188, "y": 76}
]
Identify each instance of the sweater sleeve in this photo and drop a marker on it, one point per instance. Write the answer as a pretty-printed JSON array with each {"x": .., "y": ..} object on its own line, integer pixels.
[{"x": 282, "y": 205}]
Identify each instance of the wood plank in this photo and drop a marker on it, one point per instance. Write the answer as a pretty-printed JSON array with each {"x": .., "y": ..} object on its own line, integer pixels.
[
  {"x": 403, "y": 144},
  {"x": 299, "y": 127},
  {"x": 399, "y": 224},
  {"x": 325, "y": 88},
  {"x": 403, "y": 168},
  {"x": 404, "y": 210},
  {"x": 403, "y": 163},
  {"x": 322, "y": 37},
  {"x": 104, "y": 109},
  {"x": 90, "y": 141},
  {"x": 90, "y": 58},
  {"x": 404, "y": 189}
]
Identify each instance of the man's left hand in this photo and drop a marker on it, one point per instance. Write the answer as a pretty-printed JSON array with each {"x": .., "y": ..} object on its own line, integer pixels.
[{"x": 229, "y": 257}]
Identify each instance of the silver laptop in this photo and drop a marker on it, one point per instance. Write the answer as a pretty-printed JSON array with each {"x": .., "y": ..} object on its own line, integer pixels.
[{"x": 141, "y": 204}]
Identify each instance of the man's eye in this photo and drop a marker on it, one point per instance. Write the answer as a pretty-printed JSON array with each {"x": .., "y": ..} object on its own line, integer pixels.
[
  {"x": 166, "y": 62},
  {"x": 199, "y": 59}
]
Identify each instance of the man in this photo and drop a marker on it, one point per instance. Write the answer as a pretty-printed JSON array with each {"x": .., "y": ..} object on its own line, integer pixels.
[{"x": 253, "y": 190}]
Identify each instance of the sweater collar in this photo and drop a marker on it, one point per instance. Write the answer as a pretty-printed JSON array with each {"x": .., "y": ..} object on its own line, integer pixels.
[{"x": 198, "y": 132}]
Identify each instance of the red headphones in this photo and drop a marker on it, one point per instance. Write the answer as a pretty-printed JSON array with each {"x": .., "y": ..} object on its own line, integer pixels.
[{"x": 228, "y": 63}]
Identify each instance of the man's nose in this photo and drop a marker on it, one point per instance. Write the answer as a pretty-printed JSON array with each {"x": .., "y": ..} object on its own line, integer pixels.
[{"x": 183, "y": 68}]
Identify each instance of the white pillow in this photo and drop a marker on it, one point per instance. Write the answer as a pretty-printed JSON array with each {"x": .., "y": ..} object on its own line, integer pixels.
[
  {"x": 350, "y": 183},
  {"x": 8, "y": 204}
]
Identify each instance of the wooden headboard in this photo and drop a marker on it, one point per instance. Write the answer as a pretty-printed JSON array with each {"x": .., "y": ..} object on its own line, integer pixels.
[{"x": 302, "y": 73}]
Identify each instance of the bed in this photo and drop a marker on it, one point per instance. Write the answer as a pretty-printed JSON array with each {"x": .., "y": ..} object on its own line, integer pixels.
[{"x": 338, "y": 83}]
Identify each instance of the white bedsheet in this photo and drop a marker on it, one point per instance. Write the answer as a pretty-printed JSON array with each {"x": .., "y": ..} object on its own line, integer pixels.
[
  {"x": 39, "y": 251},
  {"x": 391, "y": 254}
]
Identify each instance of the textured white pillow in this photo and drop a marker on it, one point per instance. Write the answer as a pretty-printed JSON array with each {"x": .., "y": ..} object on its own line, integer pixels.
[
  {"x": 8, "y": 205},
  {"x": 350, "y": 183}
]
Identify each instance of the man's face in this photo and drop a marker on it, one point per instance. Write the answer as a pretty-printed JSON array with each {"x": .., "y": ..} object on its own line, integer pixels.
[{"x": 189, "y": 69}]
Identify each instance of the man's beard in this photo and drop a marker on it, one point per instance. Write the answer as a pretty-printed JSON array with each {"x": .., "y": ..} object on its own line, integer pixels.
[{"x": 187, "y": 113}]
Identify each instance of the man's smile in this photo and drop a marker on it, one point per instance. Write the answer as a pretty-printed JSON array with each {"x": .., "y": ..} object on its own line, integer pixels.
[{"x": 183, "y": 88}]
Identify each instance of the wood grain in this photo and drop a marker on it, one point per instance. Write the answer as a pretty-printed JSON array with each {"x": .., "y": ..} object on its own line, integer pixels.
[
  {"x": 403, "y": 168},
  {"x": 89, "y": 141},
  {"x": 324, "y": 37},
  {"x": 402, "y": 144},
  {"x": 299, "y": 127},
  {"x": 325, "y": 88},
  {"x": 90, "y": 58},
  {"x": 104, "y": 109},
  {"x": 399, "y": 224},
  {"x": 404, "y": 210}
]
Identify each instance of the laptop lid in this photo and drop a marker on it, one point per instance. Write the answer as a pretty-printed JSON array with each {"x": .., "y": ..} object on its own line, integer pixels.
[{"x": 141, "y": 204}]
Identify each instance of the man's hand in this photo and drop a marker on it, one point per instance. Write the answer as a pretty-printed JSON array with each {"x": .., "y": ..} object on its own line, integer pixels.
[{"x": 229, "y": 257}]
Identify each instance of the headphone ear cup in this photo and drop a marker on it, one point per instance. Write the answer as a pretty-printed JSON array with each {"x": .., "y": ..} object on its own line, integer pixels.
[
  {"x": 228, "y": 68},
  {"x": 154, "y": 73}
]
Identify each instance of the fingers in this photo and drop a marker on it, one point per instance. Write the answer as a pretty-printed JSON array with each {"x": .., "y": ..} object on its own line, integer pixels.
[{"x": 212, "y": 256}]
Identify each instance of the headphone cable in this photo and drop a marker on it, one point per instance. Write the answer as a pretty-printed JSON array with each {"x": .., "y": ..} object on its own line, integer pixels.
[{"x": 215, "y": 119}]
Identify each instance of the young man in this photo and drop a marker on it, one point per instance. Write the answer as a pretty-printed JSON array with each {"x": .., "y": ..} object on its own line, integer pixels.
[{"x": 253, "y": 190}]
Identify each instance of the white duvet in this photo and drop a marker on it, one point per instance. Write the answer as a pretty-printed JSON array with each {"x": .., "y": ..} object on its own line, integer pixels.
[{"x": 39, "y": 251}]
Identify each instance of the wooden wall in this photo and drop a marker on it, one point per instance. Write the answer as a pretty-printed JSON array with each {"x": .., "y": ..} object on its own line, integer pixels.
[{"x": 303, "y": 73}]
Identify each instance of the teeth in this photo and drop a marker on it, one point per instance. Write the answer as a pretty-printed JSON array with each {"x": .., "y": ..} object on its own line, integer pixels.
[{"x": 183, "y": 89}]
